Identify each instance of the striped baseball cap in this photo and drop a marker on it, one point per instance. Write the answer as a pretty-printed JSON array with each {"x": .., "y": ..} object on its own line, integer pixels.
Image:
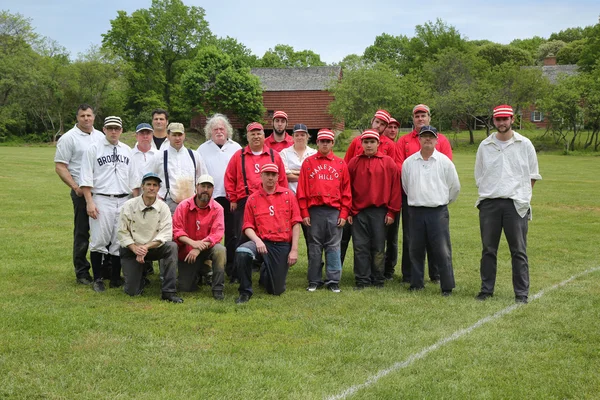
[
  {"x": 280, "y": 114},
  {"x": 325, "y": 134},
  {"x": 269, "y": 168},
  {"x": 421, "y": 108},
  {"x": 369, "y": 134},
  {"x": 393, "y": 121},
  {"x": 113, "y": 121},
  {"x": 254, "y": 126},
  {"x": 503, "y": 110},
  {"x": 383, "y": 115}
]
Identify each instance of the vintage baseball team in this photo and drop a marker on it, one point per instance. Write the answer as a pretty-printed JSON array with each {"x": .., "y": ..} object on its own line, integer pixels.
[{"x": 223, "y": 212}]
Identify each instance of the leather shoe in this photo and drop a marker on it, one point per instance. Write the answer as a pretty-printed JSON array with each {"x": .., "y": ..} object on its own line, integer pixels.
[
  {"x": 98, "y": 286},
  {"x": 521, "y": 299},
  {"x": 84, "y": 281},
  {"x": 446, "y": 293},
  {"x": 115, "y": 283},
  {"x": 244, "y": 298},
  {"x": 218, "y": 295},
  {"x": 172, "y": 297},
  {"x": 482, "y": 296}
]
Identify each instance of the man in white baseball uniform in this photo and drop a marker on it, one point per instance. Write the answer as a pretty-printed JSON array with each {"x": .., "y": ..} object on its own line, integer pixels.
[
  {"x": 108, "y": 178},
  {"x": 178, "y": 167},
  {"x": 69, "y": 151}
]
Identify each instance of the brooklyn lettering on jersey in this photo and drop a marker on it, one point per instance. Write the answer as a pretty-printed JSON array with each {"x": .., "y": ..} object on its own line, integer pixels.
[
  {"x": 325, "y": 172},
  {"x": 113, "y": 158}
]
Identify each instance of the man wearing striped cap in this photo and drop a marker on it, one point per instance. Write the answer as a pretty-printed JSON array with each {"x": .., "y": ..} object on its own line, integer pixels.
[
  {"x": 325, "y": 199},
  {"x": 279, "y": 139},
  {"x": 376, "y": 199},
  {"x": 272, "y": 223},
  {"x": 506, "y": 168}
]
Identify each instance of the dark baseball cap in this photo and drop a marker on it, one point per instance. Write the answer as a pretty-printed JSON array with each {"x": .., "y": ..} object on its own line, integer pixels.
[
  {"x": 428, "y": 129},
  {"x": 300, "y": 127}
]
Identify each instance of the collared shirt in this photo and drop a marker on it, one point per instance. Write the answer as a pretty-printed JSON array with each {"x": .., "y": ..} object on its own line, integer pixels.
[
  {"x": 293, "y": 162},
  {"x": 430, "y": 183},
  {"x": 387, "y": 147},
  {"x": 144, "y": 161},
  {"x": 507, "y": 173},
  {"x": 216, "y": 159},
  {"x": 198, "y": 223},
  {"x": 182, "y": 180},
  {"x": 278, "y": 146},
  {"x": 234, "y": 177},
  {"x": 272, "y": 216},
  {"x": 109, "y": 168},
  {"x": 409, "y": 144},
  {"x": 324, "y": 180},
  {"x": 141, "y": 224},
  {"x": 72, "y": 146}
]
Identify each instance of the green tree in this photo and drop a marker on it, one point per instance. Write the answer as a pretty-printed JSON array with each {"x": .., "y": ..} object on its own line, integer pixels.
[
  {"x": 570, "y": 53},
  {"x": 569, "y": 35},
  {"x": 550, "y": 48},
  {"x": 284, "y": 56},
  {"x": 530, "y": 45},
  {"x": 497, "y": 54},
  {"x": 157, "y": 44},
  {"x": 590, "y": 53},
  {"x": 240, "y": 55},
  {"x": 213, "y": 83}
]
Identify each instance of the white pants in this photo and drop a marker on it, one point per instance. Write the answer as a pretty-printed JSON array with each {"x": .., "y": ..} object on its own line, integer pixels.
[{"x": 104, "y": 229}]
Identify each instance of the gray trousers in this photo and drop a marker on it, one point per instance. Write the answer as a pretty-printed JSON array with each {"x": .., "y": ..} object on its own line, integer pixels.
[
  {"x": 430, "y": 232},
  {"x": 391, "y": 247},
  {"x": 323, "y": 235},
  {"x": 133, "y": 271},
  {"x": 496, "y": 215},
  {"x": 190, "y": 274},
  {"x": 368, "y": 234}
]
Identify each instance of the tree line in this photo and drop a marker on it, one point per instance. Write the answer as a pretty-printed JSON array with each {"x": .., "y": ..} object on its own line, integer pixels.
[{"x": 166, "y": 56}]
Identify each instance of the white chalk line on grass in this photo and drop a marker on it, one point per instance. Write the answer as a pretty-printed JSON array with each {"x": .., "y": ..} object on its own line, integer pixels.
[{"x": 461, "y": 332}]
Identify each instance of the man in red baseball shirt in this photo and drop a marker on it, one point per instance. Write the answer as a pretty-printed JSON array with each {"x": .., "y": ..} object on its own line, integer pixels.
[
  {"x": 376, "y": 199},
  {"x": 198, "y": 227},
  {"x": 279, "y": 139},
  {"x": 325, "y": 198},
  {"x": 406, "y": 146},
  {"x": 272, "y": 223},
  {"x": 242, "y": 176}
]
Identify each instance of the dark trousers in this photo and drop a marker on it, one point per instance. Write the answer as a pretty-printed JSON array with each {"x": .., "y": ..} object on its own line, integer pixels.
[
  {"x": 134, "y": 272},
  {"x": 324, "y": 236},
  {"x": 406, "y": 263},
  {"x": 190, "y": 274},
  {"x": 496, "y": 215},
  {"x": 368, "y": 232},
  {"x": 274, "y": 268},
  {"x": 81, "y": 237},
  {"x": 391, "y": 247},
  {"x": 430, "y": 231},
  {"x": 346, "y": 236},
  {"x": 231, "y": 239},
  {"x": 239, "y": 237}
]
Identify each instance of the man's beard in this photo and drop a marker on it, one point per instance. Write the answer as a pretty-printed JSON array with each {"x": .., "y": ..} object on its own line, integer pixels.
[{"x": 277, "y": 132}]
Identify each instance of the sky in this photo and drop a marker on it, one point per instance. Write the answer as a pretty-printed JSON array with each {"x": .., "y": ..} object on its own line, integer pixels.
[{"x": 332, "y": 29}]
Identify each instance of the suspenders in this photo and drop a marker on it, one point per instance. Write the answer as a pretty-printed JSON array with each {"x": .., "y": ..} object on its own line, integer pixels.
[
  {"x": 244, "y": 170},
  {"x": 166, "y": 162}
]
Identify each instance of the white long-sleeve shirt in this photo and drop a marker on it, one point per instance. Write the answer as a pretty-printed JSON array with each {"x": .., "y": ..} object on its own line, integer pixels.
[
  {"x": 430, "y": 183},
  {"x": 216, "y": 160},
  {"x": 506, "y": 172},
  {"x": 180, "y": 167},
  {"x": 293, "y": 162}
]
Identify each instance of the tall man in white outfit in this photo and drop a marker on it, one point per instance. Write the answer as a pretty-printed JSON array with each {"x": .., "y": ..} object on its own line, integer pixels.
[
  {"x": 506, "y": 169},
  {"x": 67, "y": 160},
  {"x": 108, "y": 178},
  {"x": 178, "y": 168},
  {"x": 430, "y": 182},
  {"x": 216, "y": 153}
]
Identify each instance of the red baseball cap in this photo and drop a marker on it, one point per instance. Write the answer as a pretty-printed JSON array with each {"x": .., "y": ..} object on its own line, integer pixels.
[
  {"x": 503, "y": 110},
  {"x": 280, "y": 114},
  {"x": 253, "y": 126},
  {"x": 421, "y": 108},
  {"x": 269, "y": 168},
  {"x": 393, "y": 121},
  {"x": 369, "y": 134},
  {"x": 325, "y": 134},
  {"x": 383, "y": 115}
]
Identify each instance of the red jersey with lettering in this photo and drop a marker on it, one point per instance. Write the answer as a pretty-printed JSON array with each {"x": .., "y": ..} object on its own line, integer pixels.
[
  {"x": 197, "y": 223},
  {"x": 375, "y": 182},
  {"x": 272, "y": 216},
  {"x": 287, "y": 141},
  {"x": 409, "y": 144},
  {"x": 324, "y": 181},
  {"x": 387, "y": 147},
  {"x": 234, "y": 178}
]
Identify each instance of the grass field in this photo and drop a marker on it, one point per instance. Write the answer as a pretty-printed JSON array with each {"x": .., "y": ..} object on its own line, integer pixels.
[{"x": 59, "y": 340}]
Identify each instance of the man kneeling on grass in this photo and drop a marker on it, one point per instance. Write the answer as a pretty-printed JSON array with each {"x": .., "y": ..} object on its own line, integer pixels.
[
  {"x": 375, "y": 182},
  {"x": 272, "y": 223},
  {"x": 145, "y": 234}
]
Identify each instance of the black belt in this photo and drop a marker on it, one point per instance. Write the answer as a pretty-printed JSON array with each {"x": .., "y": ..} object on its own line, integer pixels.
[{"x": 118, "y": 196}]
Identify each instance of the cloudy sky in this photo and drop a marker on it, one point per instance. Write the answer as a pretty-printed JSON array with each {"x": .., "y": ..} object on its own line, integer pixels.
[{"x": 332, "y": 29}]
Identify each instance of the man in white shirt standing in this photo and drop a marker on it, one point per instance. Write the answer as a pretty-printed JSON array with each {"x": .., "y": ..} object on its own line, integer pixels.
[
  {"x": 178, "y": 168},
  {"x": 216, "y": 153},
  {"x": 69, "y": 151},
  {"x": 506, "y": 169},
  {"x": 430, "y": 182},
  {"x": 108, "y": 178},
  {"x": 144, "y": 151}
]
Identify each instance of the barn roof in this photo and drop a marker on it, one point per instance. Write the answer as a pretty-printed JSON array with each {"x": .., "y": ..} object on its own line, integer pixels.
[
  {"x": 292, "y": 79},
  {"x": 552, "y": 72}
]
